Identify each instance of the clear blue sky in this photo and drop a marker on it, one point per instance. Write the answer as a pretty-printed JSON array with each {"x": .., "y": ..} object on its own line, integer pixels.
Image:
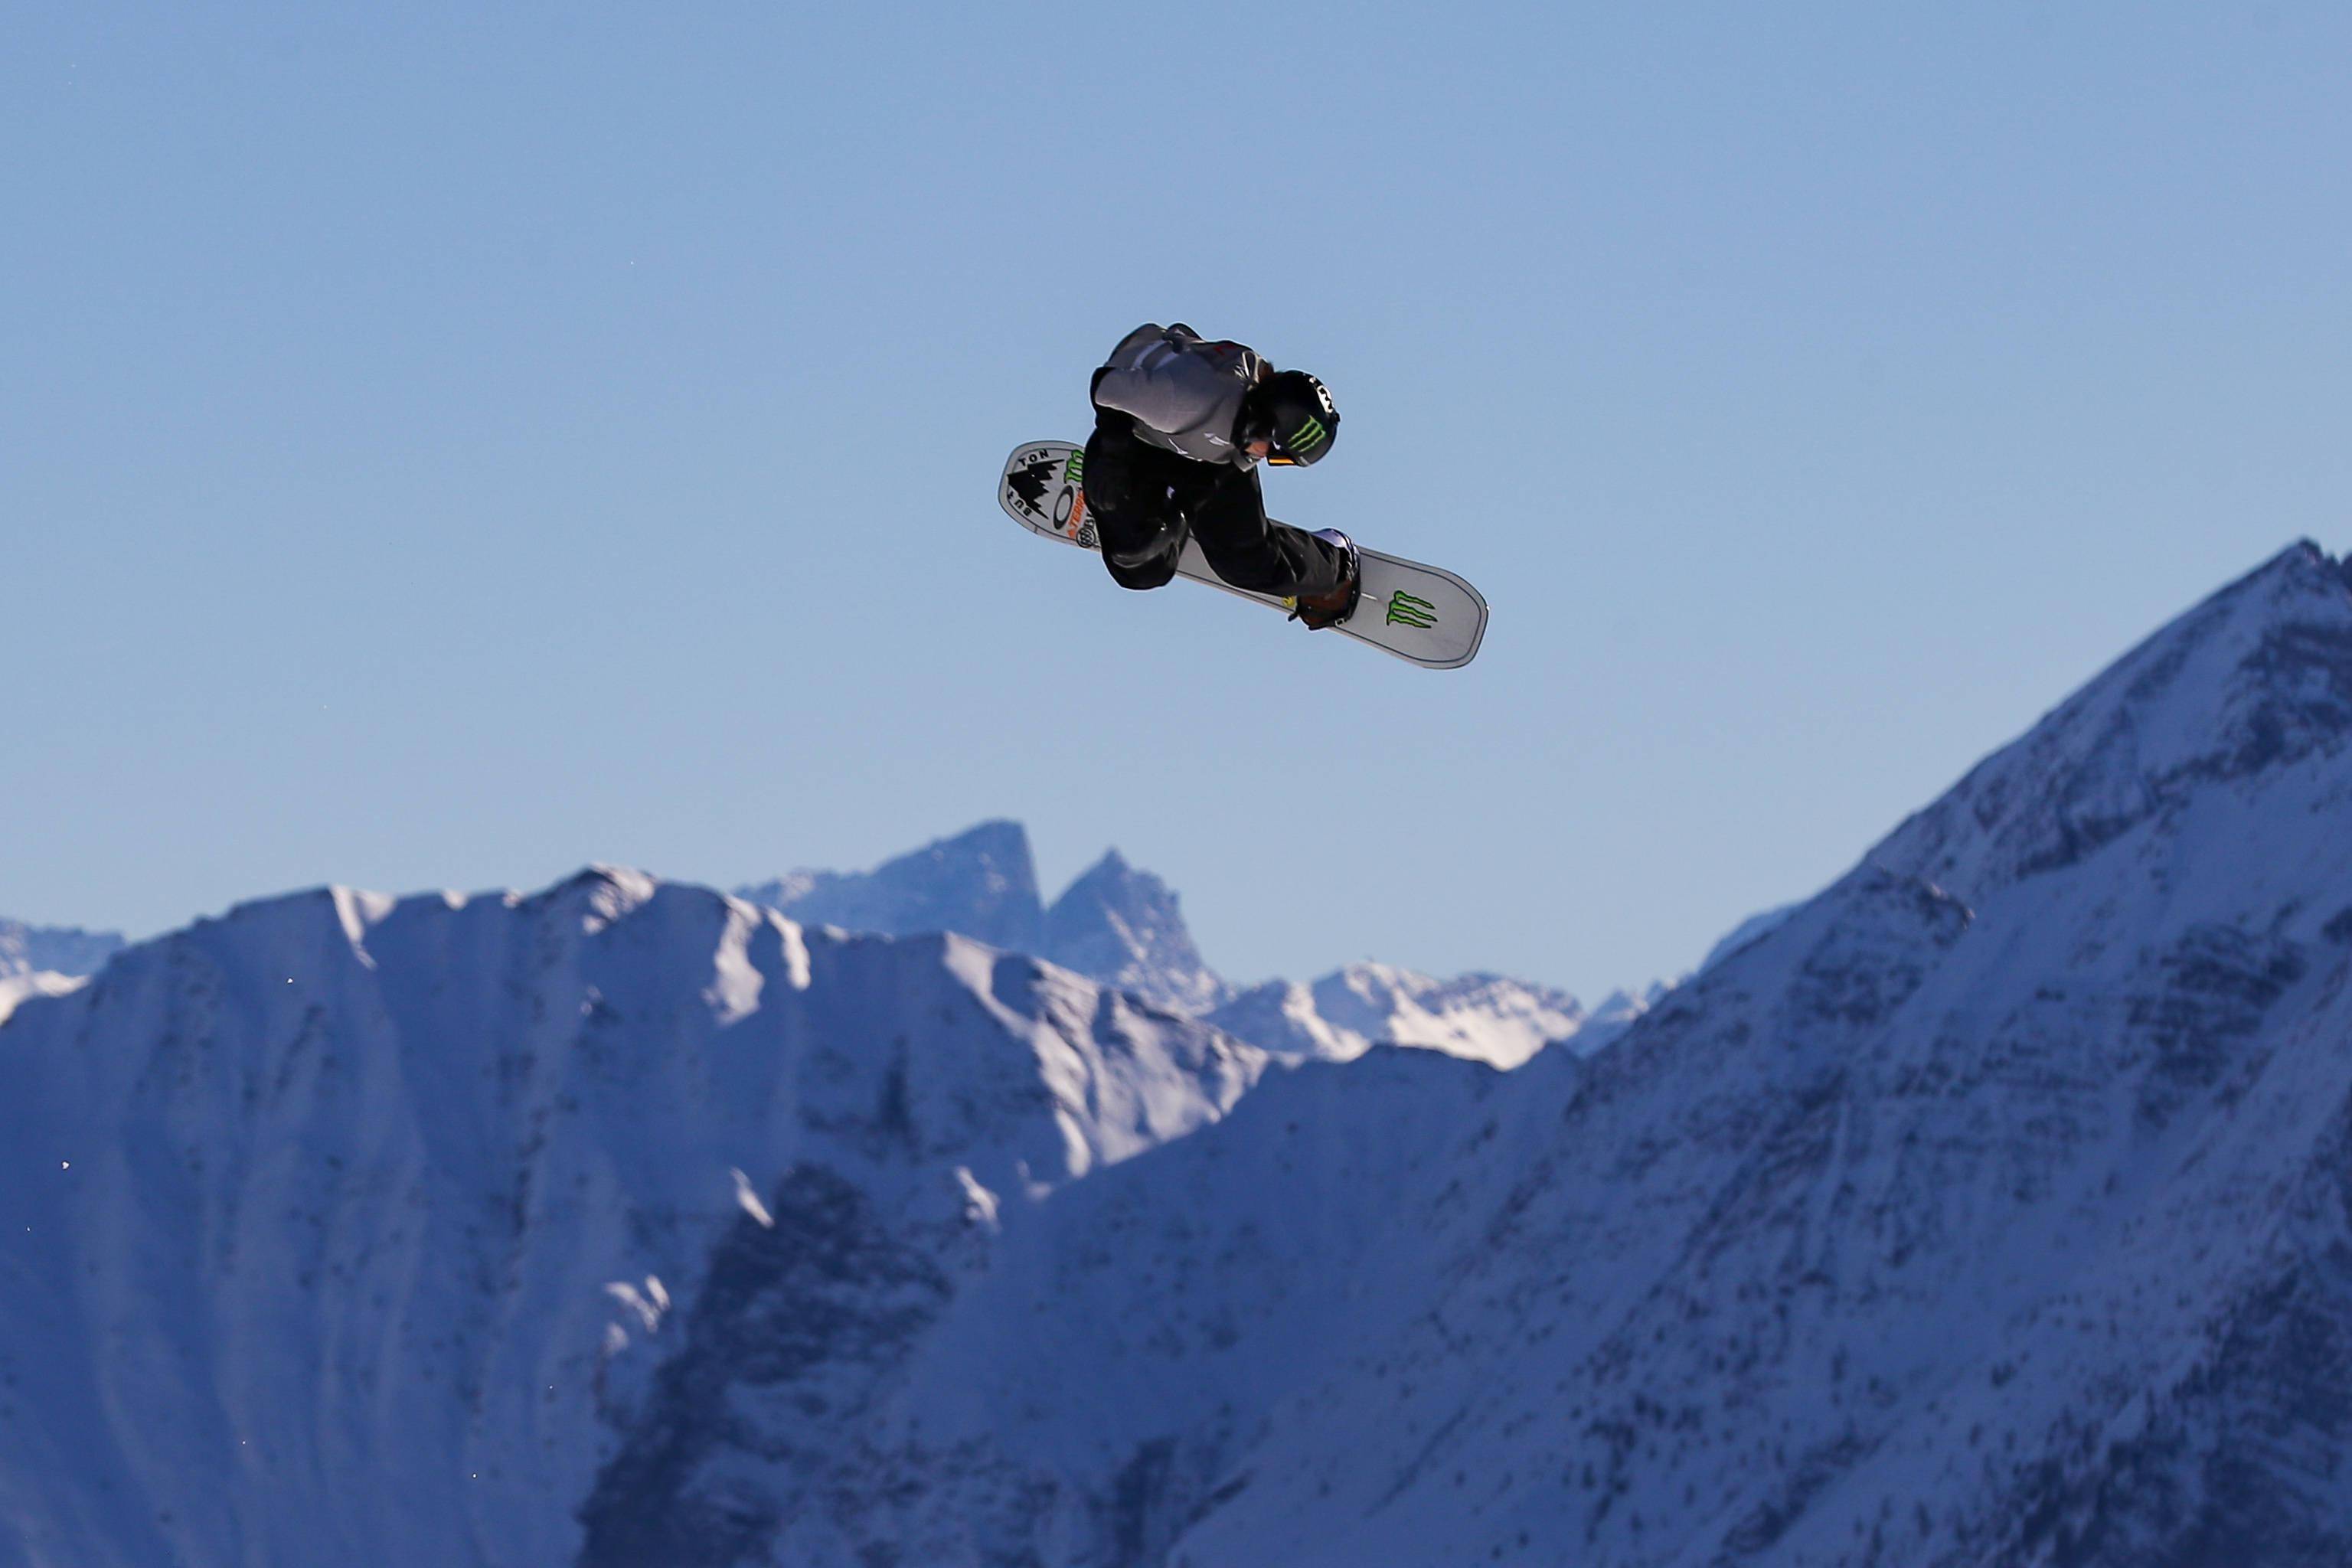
[{"x": 439, "y": 449}]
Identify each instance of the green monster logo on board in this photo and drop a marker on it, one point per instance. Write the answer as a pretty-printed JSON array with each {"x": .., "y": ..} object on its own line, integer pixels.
[{"x": 1404, "y": 610}]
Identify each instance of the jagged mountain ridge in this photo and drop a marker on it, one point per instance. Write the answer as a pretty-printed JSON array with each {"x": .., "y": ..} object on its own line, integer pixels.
[
  {"x": 63, "y": 950},
  {"x": 982, "y": 882},
  {"x": 1115, "y": 923},
  {"x": 2252, "y": 680},
  {"x": 1490, "y": 1019},
  {"x": 49, "y": 961},
  {"x": 1125, "y": 927},
  {"x": 1990, "y": 1209}
]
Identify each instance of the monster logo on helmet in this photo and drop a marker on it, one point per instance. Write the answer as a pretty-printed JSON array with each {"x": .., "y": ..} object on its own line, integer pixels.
[{"x": 1293, "y": 411}]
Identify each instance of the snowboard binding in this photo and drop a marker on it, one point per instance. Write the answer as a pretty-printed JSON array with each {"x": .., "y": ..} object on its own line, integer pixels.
[{"x": 1317, "y": 611}]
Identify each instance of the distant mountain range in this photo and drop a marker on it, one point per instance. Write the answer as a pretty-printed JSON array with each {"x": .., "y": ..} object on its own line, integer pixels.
[
  {"x": 35, "y": 949},
  {"x": 1991, "y": 1207},
  {"x": 1115, "y": 923},
  {"x": 1125, "y": 928},
  {"x": 37, "y": 961}
]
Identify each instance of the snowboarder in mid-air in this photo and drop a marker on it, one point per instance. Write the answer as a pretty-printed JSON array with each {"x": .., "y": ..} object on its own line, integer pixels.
[{"x": 1181, "y": 426}]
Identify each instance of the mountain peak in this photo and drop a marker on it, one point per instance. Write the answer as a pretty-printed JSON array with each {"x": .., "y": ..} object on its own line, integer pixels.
[
  {"x": 982, "y": 882},
  {"x": 2257, "y": 677},
  {"x": 1110, "y": 869},
  {"x": 1126, "y": 927}
]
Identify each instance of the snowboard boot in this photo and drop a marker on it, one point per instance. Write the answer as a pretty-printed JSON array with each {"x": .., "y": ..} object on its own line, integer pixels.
[{"x": 1316, "y": 611}]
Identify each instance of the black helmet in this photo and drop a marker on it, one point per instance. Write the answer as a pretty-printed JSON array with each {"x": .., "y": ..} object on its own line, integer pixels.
[{"x": 1292, "y": 411}]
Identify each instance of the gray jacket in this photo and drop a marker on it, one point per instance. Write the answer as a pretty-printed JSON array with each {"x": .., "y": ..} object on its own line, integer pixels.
[{"x": 1184, "y": 395}]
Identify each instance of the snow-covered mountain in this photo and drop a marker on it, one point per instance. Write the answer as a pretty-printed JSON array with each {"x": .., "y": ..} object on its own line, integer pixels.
[
  {"x": 1483, "y": 1018},
  {"x": 14, "y": 988},
  {"x": 54, "y": 950},
  {"x": 980, "y": 883},
  {"x": 1117, "y": 924},
  {"x": 345, "y": 1229},
  {"x": 1618, "y": 1012},
  {"x": 1993, "y": 1209},
  {"x": 1124, "y": 926},
  {"x": 49, "y": 961},
  {"x": 1753, "y": 928},
  {"x": 1990, "y": 1208}
]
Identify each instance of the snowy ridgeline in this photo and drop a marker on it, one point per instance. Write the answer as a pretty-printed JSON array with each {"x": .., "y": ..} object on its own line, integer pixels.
[
  {"x": 48, "y": 961},
  {"x": 1125, "y": 928},
  {"x": 1114, "y": 924},
  {"x": 62, "y": 952},
  {"x": 1988, "y": 1208}
]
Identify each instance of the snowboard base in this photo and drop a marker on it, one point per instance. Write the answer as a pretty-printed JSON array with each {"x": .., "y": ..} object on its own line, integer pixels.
[{"x": 1421, "y": 614}]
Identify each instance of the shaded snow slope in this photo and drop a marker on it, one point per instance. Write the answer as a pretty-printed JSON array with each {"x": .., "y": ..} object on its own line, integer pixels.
[
  {"x": 1994, "y": 1222},
  {"x": 15, "y": 988},
  {"x": 343, "y": 1229},
  {"x": 2254, "y": 681}
]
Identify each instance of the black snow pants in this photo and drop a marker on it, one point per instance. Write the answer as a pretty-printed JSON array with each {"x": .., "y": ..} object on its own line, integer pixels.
[{"x": 1145, "y": 501}]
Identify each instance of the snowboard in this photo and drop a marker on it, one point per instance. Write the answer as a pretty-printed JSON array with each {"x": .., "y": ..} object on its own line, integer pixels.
[{"x": 1422, "y": 615}]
